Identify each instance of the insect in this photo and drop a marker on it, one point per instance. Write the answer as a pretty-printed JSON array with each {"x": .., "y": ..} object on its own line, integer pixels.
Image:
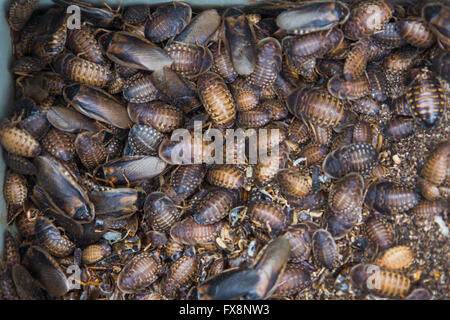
[
  {"x": 324, "y": 248},
  {"x": 387, "y": 197},
  {"x": 379, "y": 232},
  {"x": 426, "y": 98},
  {"x": 139, "y": 273},
  {"x": 167, "y": 21},
  {"x": 217, "y": 99}
]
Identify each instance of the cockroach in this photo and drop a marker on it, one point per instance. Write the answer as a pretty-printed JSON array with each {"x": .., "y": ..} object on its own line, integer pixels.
[
  {"x": 379, "y": 232},
  {"x": 310, "y": 17},
  {"x": 324, "y": 248},
  {"x": 389, "y": 198},
  {"x": 160, "y": 212},
  {"x": 239, "y": 41},
  {"x": 189, "y": 60},
  {"x": 366, "y": 18},
  {"x": 139, "y": 273},
  {"x": 50, "y": 238},
  {"x": 396, "y": 258},
  {"x": 59, "y": 144},
  {"x": 167, "y": 21}
]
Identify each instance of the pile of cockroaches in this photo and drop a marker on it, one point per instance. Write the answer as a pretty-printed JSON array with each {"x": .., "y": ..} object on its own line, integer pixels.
[{"x": 103, "y": 211}]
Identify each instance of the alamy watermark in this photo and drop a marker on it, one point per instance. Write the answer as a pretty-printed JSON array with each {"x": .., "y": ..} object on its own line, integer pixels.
[{"x": 74, "y": 18}]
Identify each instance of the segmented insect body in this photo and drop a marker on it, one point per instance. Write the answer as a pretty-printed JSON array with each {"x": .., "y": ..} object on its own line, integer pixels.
[
  {"x": 50, "y": 238},
  {"x": 246, "y": 96},
  {"x": 396, "y": 258},
  {"x": 19, "y": 13},
  {"x": 139, "y": 273},
  {"x": 276, "y": 109},
  {"x": 163, "y": 117},
  {"x": 399, "y": 127},
  {"x": 10, "y": 250},
  {"x": 426, "y": 98},
  {"x": 140, "y": 89},
  {"x": 436, "y": 167},
  {"x": 180, "y": 274},
  {"x": 293, "y": 279},
  {"x": 389, "y": 36},
  {"x": 415, "y": 32},
  {"x": 356, "y": 60},
  {"x": 160, "y": 211},
  {"x": 18, "y": 141},
  {"x": 379, "y": 232},
  {"x": 426, "y": 209},
  {"x": 366, "y": 105},
  {"x": 215, "y": 206},
  {"x": 15, "y": 189},
  {"x": 324, "y": 248},
  {"x": 268, "y": 63},
  {"x": 95, "y": 253},
  {"x": 267, "y": 216},
  {"x": 188, "y": 59},
  {"x": 191, "y": 233},
  {"x": 82, "y": 42},
  {"x": 144, "y": 140},
  {"x": 90, "y": 150},
  {"x": 59, "y": 144},
  {"x": 366, "y": 18},
  {"x": 293, "y": 182},
  {"x": 346, "y": 197},
  {"x": 379, "y": 281},
  {"x": 217, "y": 99},
  {"x": 299, "y": 238},
  {"x": 357, "y": 157},
  {"x": 254, "y": 118},
  {"x": 348, "y": 89},
  {"x": 167, "y": 21},
  {"x": 83, "y": 71},
  {"x": 315, "y": 44},
  {"x": 184, "y": 181},
  {"x": 389, "y": 198},
  {"x": 226, "y": 176},
  {"x": 316, "y": 106},
  {"x": 222, "y": 62}
]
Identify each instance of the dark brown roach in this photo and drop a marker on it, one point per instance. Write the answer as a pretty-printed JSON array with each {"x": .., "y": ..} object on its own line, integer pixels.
[
  {"x": 399, "y": 127},
  {"x": 357, "y": 157},
  {"x": 139, "y": 273},
  {"x": 415, "y": 32},
  {"x": 215, "y": 206},
  {"x": 324, "y": 248},
  {"x": 222, "y": 62},
  {"x": 299, "y": 238},
  {"x": 317, "y": 106},
  {"x": 366, "y": 18},
  {"x": 379, "y": 232},
  {"x": 389, "y": 198},
  {"x": 294, "y": 279},
  {"x": 189, "y": 60},
  {"x": 59, "y": 144},
  {"x": 50, "y": 238},
  {"x": 436, "y": 167},
  {"x": 160, "y": 212},
  {"x": 267, "y": 216},
  {"x": 184, "y": 181},
  {"x": 90, "y": 150},
  {"x": 217, "y": 99},
  {"x": 82, "y": 42},
  {"x": 226, "y": 176},
  {"x": 192, "y": 233},
  {"x": 268, "y": 63},
  {"x": 167, "y": 21},
  {"x": 180, "y": 274},
  {"x": 159, "y": 115}
]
